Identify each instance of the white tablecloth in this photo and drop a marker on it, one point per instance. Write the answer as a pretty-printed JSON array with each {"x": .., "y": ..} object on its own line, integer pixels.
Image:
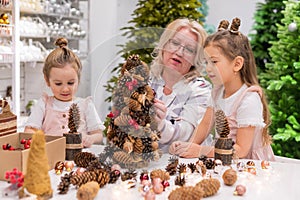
[{"x": 281, "y": 182}]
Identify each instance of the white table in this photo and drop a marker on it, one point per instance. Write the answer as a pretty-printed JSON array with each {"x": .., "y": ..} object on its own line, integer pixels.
[{"x": 281, "y": 182}]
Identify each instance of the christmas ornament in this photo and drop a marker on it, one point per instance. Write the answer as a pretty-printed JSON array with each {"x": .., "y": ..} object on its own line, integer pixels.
[
  {"x": 229, "y": 177},
  {"x": 292, "y": 27},
  {"x": 59, "y": 167},
  {"x": 88, "y": 191},
  {"x": 240, "y": 190},
  {"x": 69, "y": 165},
  {"x": 265, "y": 164}
]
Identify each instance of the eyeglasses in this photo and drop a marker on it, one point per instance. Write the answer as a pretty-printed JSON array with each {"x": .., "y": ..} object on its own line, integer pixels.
[{"x": 174, "y": 45}]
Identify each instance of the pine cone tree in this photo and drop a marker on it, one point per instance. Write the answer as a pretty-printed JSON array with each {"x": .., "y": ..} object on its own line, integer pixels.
[
  {"x": 82, "y": 159},
  {"x": 172, "y": 166},
  {"x": 99, "y": 175},
  {"x": 74, "y": 118},
  {"x": 209, "y": 186},
  {"x": 222, "y": 125},
  {"x": 186, "y": 193},
  {"x": 64, "y": 184}
]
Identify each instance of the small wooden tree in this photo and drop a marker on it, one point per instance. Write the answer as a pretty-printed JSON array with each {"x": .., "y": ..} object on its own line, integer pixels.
[{"x": 73, "y": 138}]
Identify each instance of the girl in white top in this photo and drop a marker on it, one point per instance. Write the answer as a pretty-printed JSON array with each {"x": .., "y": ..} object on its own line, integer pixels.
[
  {"x": 231, "y": 68},
  {"x": 62, "y": 74}
]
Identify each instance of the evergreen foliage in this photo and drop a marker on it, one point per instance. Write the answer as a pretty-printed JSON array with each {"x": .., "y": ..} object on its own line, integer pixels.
[
  {"x": 149, "y": 19},
  {"x": 267, "y": 17},
  {"x": 282, "y": 79}
]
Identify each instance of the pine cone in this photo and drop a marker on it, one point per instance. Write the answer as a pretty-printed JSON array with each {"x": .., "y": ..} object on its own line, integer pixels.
[
  {"x": 209, "y": 186},
  {"x": 99, "y": 175},
  {"x": 130, "y": 174},
  {"x": 158, "y": 173},
  {"x": 114, "y": 176},
  {"x": 64, "y": 184},
  {"x": 74, "y": 118},
  {"x": 182, "y": 168},
  {"x": 82, "y": 159},
  {"x": 186, "y": 193},
  {"x": 180, "y": 180},
  {"x": 172, "y": 166},
  {"x": 138, "y": 146},
  {"x": 222, "y": 125},
  {"x": 192, "y": 167},
  {"x": 209, "y": 163}
]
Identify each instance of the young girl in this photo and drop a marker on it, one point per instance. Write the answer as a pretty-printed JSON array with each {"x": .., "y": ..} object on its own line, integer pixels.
[
  {"x": 231, "y": 68},
  {"x": 62, "y": 74}
]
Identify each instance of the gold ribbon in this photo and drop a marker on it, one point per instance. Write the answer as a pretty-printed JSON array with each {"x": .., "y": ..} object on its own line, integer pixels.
[
  {"x": 223, "y": 151},
  {"x": 74, "y": 146}
]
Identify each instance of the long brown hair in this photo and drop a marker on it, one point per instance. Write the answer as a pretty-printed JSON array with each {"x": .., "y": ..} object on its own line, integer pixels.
[{"x": 233, "y": 43}]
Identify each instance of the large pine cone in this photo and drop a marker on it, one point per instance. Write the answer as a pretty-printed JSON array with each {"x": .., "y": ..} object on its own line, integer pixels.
[
  {"x": 82, "y": 159},
  {"x": 209, "y": 186},
  {"x": 64, "y": 184},
  {"x": 74, "y": 118},
  {"x": 222, "y": 125},
  {"x": 186, "y": 193},
  {"x": 99, "y": 175}
]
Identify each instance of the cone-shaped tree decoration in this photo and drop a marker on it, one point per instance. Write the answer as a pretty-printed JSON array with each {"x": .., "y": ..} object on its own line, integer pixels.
[
  {"x": 132, "y": 128},
  {"x": 223, "y": 146},
  {"x": 37, "y": 179},
  {"x": 73, "y": 138}
]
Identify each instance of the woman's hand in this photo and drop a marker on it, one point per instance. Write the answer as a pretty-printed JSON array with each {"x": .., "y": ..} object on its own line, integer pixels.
[
  {"x": 185, "y": 149},
  {"x": 161, "y": 111}
]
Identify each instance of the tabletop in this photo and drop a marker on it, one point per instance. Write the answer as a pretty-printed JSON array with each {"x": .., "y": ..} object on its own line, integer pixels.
[{"x": 280, "y": 181}]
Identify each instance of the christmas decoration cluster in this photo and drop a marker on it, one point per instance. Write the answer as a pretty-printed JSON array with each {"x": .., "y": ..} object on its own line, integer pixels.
[{"x": 132, "y": 130}]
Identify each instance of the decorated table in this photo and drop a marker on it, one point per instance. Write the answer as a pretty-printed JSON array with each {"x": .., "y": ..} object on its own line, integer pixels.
[{"x": 280, "y": 181}]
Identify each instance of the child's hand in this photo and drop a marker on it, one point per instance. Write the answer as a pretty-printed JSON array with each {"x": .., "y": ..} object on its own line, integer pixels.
[
  {"x": 186, "y": 149},
  {"x": 87, "y": 140}
]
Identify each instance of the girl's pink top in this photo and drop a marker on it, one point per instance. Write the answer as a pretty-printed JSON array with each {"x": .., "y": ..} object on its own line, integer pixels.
[{"x": 258, "y": 151}]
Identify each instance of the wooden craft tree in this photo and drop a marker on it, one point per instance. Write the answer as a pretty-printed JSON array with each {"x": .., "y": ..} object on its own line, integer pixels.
[
  {"x": 73, "y": 138},
  {"x": 37, "y": 179},
  {"x": 223, "y": 146}
]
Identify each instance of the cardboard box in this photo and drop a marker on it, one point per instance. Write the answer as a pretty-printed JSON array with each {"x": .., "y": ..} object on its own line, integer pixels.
[{"x": 55, "y": 149}]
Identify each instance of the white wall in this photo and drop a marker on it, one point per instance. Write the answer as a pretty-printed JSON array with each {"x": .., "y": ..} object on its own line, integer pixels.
[
  {"x": 229, "y": 9},
  {"x": 106, "y": 19}
]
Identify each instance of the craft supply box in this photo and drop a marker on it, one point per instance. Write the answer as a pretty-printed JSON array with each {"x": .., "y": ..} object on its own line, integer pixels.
[{"x": 55, "y": 150}]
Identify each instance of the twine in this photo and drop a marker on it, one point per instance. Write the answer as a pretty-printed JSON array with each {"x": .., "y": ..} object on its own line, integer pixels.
[
  {"x": 74, "y": 146},
  {"x": 223, "y": 151}
]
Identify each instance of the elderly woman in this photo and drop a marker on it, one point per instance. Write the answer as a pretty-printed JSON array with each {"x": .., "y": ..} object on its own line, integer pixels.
[{"x": 182, "y": 95}]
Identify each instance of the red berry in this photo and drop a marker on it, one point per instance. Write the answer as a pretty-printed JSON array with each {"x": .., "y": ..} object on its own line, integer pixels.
[
  {"x": 4, "y": 147},
  {"x": 28, "y": 142},
  {"x": 11, "y": 148},
  {"x": 166, "y": 184},
  {"x": 26, "y": 146},
  {"x": 23, "y": 141}
]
